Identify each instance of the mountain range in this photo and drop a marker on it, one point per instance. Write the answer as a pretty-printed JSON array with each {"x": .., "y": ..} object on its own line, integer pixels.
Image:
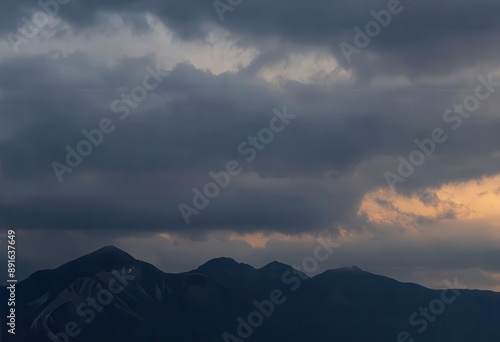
[{"x": 108, "y": 295}]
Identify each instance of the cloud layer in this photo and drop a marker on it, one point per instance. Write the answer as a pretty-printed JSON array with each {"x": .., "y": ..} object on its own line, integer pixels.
[{"x": 224, "y": 81}]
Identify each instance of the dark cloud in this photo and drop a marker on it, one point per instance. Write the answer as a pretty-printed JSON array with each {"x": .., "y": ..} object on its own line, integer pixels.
[
  {"x": 314, "y": 174},
  {"x": 425, "y": 38},
  {"x": 192, "y": 124}
]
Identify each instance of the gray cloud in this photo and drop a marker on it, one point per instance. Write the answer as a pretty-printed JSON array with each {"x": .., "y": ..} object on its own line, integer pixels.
[
  {"x": 424, "y": 39},
  {"x": 193, "y": 124}
]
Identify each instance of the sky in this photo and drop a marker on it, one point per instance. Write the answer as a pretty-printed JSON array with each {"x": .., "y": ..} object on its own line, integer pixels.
[{"x": 182, "y": 131}]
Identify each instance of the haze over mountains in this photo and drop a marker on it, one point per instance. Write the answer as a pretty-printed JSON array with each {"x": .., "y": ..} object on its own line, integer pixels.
[{"x": 110, "y": 296}]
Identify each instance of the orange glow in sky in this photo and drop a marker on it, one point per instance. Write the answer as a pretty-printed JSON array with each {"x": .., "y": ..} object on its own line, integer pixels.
[{"x": 469, "y": 201}]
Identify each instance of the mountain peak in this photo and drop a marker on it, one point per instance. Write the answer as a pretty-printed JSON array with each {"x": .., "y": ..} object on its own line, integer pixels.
[
  {"x": 112, "y": 252},
  {"x": 221, "y": 262},
  {"x": 280, "y": 268},
  {"x": 107, "y": 257},
  {"x": 349, "y": 269},
  {"x": 275, "y": 263},
  {"x": 111, "y": 249}
]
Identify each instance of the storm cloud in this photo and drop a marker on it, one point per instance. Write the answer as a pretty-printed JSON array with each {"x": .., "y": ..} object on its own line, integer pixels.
[{"x": 217, "y": 84}]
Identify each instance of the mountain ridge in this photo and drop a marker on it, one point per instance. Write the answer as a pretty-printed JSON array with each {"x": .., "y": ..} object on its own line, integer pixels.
[{"x": 137, "y": 301}]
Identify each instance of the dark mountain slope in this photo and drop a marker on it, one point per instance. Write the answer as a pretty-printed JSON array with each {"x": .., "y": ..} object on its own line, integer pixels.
[{"x": 110, "y": 296}]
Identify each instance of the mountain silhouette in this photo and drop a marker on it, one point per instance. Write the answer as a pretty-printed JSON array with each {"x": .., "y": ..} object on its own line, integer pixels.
[{"x": 108, "y": 295}]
